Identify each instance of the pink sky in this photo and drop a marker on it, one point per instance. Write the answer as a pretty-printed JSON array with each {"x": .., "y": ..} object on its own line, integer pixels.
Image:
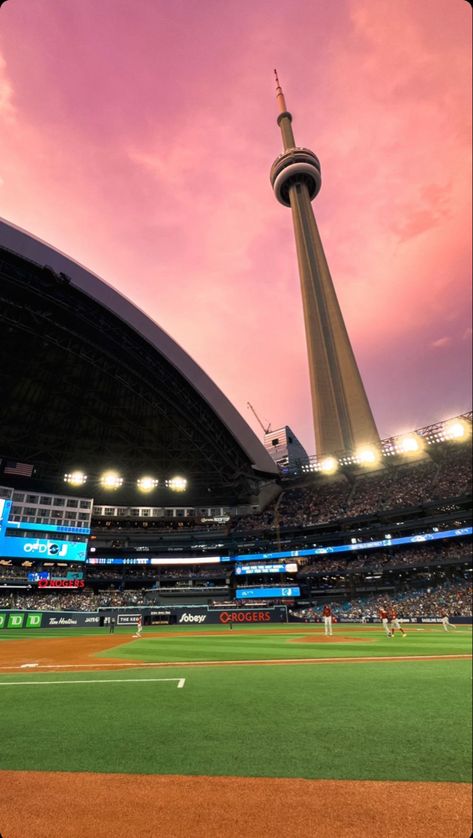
[{"x": 137, "y": 137}]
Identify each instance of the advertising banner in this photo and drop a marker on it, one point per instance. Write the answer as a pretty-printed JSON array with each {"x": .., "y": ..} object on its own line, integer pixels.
[
  {"x": 224, "y": 616},
  {"x": 43, "y": 548},
  {"x": 199, "y": 615},
  {"x": 70, "y": 619},
  {"x": 130, "y": 618},
  {"x": 47, "y": 619},
  {"x": 245, "y": 616},
  {"x": 178, "y": 616}
]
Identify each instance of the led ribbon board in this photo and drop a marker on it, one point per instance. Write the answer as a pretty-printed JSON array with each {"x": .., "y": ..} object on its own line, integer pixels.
[{"x": 267, "y": 593}]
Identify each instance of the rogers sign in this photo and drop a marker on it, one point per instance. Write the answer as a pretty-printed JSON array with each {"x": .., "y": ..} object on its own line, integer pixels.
[
  {"x": 244, "y": 617},
  {"x": 61, "y": 583}
]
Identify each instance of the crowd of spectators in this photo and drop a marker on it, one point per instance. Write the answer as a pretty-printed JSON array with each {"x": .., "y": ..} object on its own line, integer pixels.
[
  {"x": 14, "y": 571},
  {"x": 453, "y": 598},
  {"x": 378, "y": 561},
  {"x": 369, "y": 561},
  {"x": 400, "y": 486},
  {"x": 83, "y": 601},
  {"x": 322, "y": 501},
  {"x": 158, "y": 525}
]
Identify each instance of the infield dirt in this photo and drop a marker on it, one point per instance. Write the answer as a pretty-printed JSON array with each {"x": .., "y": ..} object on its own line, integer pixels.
[{"x": 35, "y": 804}]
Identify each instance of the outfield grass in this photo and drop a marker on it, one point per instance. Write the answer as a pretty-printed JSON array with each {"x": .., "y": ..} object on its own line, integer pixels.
[
  {"x": 397, "y": 721},
  {"x": 250, "y": 644}
]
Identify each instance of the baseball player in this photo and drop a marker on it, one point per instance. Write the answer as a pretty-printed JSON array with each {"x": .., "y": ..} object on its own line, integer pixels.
[
  {"x": 327, "y": 615},
  {"x": 383, "y": 613},
  {"x": 446, "y": 622},
  {"x": 139, "y": 627},
  {"x": 395, "y": 624}
]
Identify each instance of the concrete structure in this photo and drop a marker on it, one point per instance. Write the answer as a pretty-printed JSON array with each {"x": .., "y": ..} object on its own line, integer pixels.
[
  {"x": 285, "y": 449},
  {"x": 343, "y": 421}
]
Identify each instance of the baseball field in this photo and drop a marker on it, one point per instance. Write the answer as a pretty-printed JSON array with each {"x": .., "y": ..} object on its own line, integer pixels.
[{"x": 259, "y": 730}]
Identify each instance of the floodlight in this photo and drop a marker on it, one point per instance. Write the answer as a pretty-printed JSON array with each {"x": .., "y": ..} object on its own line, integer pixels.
[
  {"x": 75, "y": 478},
  {"x": 147, "y": 484},
  {"x": 177, "y": 484},
  {"x": 111, "y": 480},
  {"x": 409, "y": 444},
  {"x": 367, "y": 455},
  {"x": 456, "y": 429},
  {"x": 329, "y": 465}
]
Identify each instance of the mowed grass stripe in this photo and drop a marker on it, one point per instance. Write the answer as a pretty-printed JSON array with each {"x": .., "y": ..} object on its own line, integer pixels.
[
  {"x": 232, "y": 646},
  {"x": 351, "y": 722}
]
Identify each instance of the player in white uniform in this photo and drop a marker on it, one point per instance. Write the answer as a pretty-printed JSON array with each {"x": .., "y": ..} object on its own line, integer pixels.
[
  {"x": 327, "y": 615},
  {"x": 139, "y": 627},
  {"x": 384, "y": 615},
  {"x": 446, "y": 623}
]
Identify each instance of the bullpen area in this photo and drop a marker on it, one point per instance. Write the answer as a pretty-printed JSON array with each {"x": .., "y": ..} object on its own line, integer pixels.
[{"x": 263, "y": 730}]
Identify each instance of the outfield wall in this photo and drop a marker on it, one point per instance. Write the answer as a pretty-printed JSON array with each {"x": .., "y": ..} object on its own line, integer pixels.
[
  {"x": 17, "y": 619},
  {"x": 199, "y": 615},
  {"x": 179, "y": 615}
]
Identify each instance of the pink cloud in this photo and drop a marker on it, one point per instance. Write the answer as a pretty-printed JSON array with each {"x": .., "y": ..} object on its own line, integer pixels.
[
  {"x": 141, "y": 145},
  {"x": 441, "y": 343}
]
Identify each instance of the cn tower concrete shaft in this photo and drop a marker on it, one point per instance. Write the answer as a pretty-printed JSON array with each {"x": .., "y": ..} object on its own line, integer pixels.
[{"x": 343, "y": 421}]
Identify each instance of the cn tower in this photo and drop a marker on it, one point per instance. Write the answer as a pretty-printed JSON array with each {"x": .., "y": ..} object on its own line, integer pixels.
[{"x": 343, "y": 421}]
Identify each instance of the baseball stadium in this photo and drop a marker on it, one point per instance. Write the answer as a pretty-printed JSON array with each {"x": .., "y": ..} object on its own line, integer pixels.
[
  {"x": 207, "y": 632},
  {"x": 202, "y": 634}
]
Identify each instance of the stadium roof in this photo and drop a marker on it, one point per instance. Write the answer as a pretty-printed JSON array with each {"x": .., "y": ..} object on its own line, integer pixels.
[{"x": 89, "y": 381}]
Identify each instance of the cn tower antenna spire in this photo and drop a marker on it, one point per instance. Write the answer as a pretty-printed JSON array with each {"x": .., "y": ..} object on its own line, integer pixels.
[
  {"x": 284, "y": 118},
  {"x": 280, "y": 95}
]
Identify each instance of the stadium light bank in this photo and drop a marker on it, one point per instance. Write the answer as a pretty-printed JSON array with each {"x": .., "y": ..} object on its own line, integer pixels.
[{"x": 412, "y": 444}]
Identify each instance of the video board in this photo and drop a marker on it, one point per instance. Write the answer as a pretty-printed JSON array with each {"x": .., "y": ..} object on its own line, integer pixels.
[
  {"x": 23, "y": 525},
  {"x": 18, "y": 539},
  {"x": 5, "y": 507},
  {"x": 290, "y": 567},
  {"x": 267, "y": 593},
  {"x": 354, "y": 546},
  {"x": 42, "y": 548}
]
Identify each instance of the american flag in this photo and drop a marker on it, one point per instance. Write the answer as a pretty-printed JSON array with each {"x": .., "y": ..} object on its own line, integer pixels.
[{"x": 19, "y": 469}]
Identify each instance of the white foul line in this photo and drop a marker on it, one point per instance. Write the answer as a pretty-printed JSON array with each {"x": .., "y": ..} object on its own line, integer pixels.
[
  {"x": 108, "y": 666},
  {"x": 180, "y": 682}
]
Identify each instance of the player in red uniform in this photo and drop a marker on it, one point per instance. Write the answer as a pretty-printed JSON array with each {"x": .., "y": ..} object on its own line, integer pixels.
[
  {"x": 394, "y": 620},
  {"x": 383, "y": 613},
  {"x": 327, "y": 615}
]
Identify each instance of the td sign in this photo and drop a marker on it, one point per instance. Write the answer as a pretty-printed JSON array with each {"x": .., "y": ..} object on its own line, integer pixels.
[{"x": 15, "y": 621}]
